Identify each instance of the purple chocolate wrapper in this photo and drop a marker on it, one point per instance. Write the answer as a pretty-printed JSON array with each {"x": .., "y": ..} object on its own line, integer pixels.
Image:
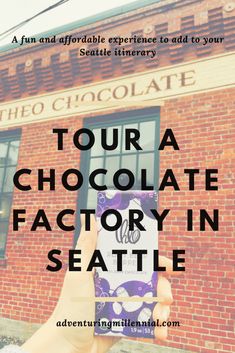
[{"x": 127, "y": 312}]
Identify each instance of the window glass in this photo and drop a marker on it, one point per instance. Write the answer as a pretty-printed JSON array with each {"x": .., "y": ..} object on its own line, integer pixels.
[
  {"x": 120, "y": 158},
  {"x": 146, "y": 161},
  {"x": 112, "y": 166},
  {"x": 9, "y": 148},
  {"x": 110, "y": 134},
  {"x": 2, "y": 172},
  {"x": 128, "y": 162},
  {"x": 3, "y": 235},
  {"x": 8, "y": 181},
  {"x": 132, "y": 148},
  {"x": 97, "y": 149},
  {"x": 92, "y": 199},
  {"x": 96, "y": 163},
  {"x": 5, "y": 206},
  {"x": 3, "y": 152},
  {"x": 13, "y": 153},
  {"x": 147, "y": 135}
]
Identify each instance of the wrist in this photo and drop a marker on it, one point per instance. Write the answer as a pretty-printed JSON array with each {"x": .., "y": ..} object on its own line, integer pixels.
[{"x": 48, "y": 340}]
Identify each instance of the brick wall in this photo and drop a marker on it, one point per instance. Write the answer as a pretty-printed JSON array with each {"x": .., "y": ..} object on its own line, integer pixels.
[
  {"x": 204, "y": 296},
  {"x": 36, "y": 69}
]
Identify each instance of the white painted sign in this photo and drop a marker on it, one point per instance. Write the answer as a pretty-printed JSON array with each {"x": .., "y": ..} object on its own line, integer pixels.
[{"x": 143, "y": 89}]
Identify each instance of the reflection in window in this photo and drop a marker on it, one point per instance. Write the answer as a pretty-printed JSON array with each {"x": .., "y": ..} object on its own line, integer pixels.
[
  {"x": 112, "y": 165},
  {"x": 97, "y": 149},
  {"x": 147, "y": 135},
  {"x": 146, "y": 161},
  {"x": 9, "y": 148},
  {"x": 132, "y": 148},
  {"x": 121, "y": 158},
  {"x": 8, "y": 180},
  {"x": 3, "y": 152},
  {"x": 110, "y": 134}
]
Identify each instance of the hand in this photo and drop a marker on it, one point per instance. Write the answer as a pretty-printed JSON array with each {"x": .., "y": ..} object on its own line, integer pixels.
[{"x": 81, "y": 285}]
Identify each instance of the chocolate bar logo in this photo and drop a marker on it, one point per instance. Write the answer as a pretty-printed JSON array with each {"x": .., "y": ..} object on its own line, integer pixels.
[{"x": 124, "y": 235}]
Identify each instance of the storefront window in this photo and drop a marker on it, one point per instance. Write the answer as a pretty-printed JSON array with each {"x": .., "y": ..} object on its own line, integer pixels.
[
  {"x": 9, "y": 148},
  {"x": 134, "y": 160}
]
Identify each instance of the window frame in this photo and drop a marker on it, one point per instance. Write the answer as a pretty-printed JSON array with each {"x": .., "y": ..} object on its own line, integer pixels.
[
  {"x": 105, "y": 121},
  {"x": 8, "y": 136}
]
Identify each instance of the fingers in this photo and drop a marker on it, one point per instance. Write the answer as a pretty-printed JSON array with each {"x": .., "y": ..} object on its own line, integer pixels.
[
  {"x": 87, "y": 238},
  {"x": 168, "y": 264},
  {"x": 164, "y": 290},
  {"x": 161, "y": 314},
  {"x": 161, "y": 333},
  {"x": 161, "y": 310},
  {"x": 87, "y": 241}
]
